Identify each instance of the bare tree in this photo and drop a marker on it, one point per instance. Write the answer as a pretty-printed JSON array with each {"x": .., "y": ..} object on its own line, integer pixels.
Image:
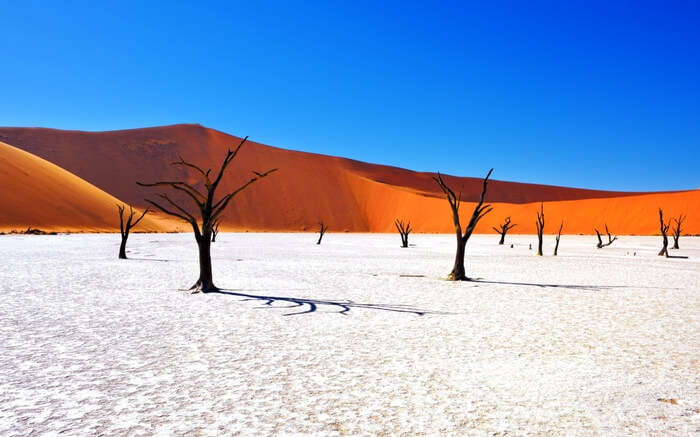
[
  {"x": 503, "y": 229},
  {"x": 404, "y": 229},
  {"x": 480, "y": 210},
  {"x": 215, "y": 230},
  {"x": 322, "y": 231},
  {"x": 663, "y": 227},
  {"x": 556, "y": 246},
  {"x": 677, "y": 230},
  {"x": 540, "y": 228},
  {"x": 210, "y": 210},
  {"x": 611, "y": 239},
  {"x": 126, "y": 223}
]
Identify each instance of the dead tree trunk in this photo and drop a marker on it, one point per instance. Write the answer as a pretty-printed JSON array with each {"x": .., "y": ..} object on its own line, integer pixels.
[
  {"x": 540, "y": 228},
  {"x": 210, "y": 210},
  {"x": 556, "y": 246},
  {"x": 663, "y": 227},
  {"x": 321, "y": 232},
  {"x": 215, "y": 231},
  {"x": 126, "y": 223},
  {"x": 611, "y": 239},
  {"x": 404, "y": 229},
  {"x": 677, "y": 230},
  {"x": 503, "y": 229},
  {"x": 480, "y": 210}
]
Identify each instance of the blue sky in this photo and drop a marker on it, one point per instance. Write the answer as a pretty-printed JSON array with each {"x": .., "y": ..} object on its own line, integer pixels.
[{"x": 589, "y": 94}]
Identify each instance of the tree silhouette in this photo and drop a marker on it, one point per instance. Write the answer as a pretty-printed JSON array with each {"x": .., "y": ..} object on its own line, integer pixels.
[
  {"x": 503, "y": 229},
  {"x": 540, "y": 228},
  {"x": 556, "y": 246},
  {"x": 611, "y": 239},
  {"x": 663, "y": 227},
  {"x": 322, "y": 231},
  {"x": 677, "y": 230},
  {"x": 126, "y": 223},
  {"x": 404, "y": 229},
  {"x": 210, "y": 210},
  {"x": 480, "y": 210}
]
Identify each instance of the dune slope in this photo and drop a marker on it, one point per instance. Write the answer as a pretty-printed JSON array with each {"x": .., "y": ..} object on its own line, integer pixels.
[
  {"x": 348, "y": 195},
  {"x": 42, "y": 195}
]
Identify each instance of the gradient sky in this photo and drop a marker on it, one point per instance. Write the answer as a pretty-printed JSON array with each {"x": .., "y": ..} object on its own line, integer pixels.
[{"x": 590, "y": 94}]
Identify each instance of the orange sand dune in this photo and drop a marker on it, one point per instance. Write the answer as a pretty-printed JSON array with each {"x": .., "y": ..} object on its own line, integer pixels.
[
  {"x": 42, "y": 195},
  {"x": 348, "y": 195}
]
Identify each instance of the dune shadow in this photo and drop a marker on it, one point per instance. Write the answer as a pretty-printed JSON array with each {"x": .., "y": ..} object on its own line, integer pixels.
[{"x": 309, "y": 306}]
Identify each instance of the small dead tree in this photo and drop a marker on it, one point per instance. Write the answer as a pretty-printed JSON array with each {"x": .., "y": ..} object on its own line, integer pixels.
[
  {"x": 404, "y": 229},
  {"x": 540, "y": 228},
  {"x": 480, "y": 210},
  {"x": 663, "y": 227},
  {"x": 322, "y": 231},
  {"x": 503, "y": 229},
  {"x": 210, "y": 210},
  {"x": 556, "y": 246},
  {"x": 126, "y": 223},
  {"x": 611, "y": 239},
  {"x": 677, "y": 230},
  {"x": 215, "y": 231}
]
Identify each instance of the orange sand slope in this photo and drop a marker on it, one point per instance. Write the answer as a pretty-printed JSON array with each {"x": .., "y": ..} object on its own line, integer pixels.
[
  {"x": 348, "y": 195},
  {"x": 42, "y": 195}
]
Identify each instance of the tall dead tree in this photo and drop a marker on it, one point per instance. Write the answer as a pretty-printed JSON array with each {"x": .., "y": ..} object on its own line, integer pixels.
[
  {"x": 480, "y": 210},
  {"x": 404, "y": 229},
  {"x": 210, "y": 209},
  {"x": 215, "y": 230},
  {"x": 663, "y": 227},
  {"x": 540, "y": 228},
  {"x": 677, "y": 230},
  {"x": 611, "y": 239},
  {"x": 126, "y": 223},
  {"x": 321, "y": 231},
  {"x": 556, "y": 246},
  {"x": 503, "y": 229}
]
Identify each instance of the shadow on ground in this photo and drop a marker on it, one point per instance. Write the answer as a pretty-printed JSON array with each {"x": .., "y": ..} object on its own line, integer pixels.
[{"x": 311, "y": 305}]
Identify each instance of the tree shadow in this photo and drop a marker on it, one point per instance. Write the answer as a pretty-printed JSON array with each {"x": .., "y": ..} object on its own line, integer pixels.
[
  {"x": 569, "y": 286},
  {"x": 311, "y": 305}
]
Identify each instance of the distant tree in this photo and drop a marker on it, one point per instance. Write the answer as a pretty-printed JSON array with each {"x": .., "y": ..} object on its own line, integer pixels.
[
  {"x": 663, "y": 227},
  {"x": 611, "y": 239},
  {"x": 540, "y": 228},
  {"x": 503, "y": 229},
  {"x": 404, "y": 229},
  {"x": 215, "y": 230},
  {"x": 210, "y": 210},
  {"x": 677, "y": 230},
  {"x": 322, "y": 231},
  {"x": 556, "y": 246},
  {"x": 480, "y": 210},
  {"x": 126, "y": 223}
]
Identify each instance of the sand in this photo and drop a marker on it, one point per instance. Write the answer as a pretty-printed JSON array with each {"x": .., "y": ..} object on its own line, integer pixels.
[
  {"x": 347, "y": 195},
  {"x": 592, "y": 342},
  {"x": 42, "y": 195}
]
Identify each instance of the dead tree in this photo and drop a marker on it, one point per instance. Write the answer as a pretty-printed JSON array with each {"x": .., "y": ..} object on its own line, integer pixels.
[
  {"x": 215, "y": 231},
  {"x": 480, "y": 210},
  {"x": 677, "y": 230},
  {"x": 126, "y": 223},
  {"x": 663, "y": 227},
  {"x": 611, "y": 239},
  {"x": 540, "y": 228},
  {"x": 503, "y": 229},
  {"x": 322, "y": 231},
  {"x": 556, "y": 246},
  {"x": 210, "y": 210},
  {"x": 404, "y": 229}
]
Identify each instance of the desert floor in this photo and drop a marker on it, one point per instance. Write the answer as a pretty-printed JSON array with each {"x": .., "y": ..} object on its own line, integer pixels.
[{"x": 355, "y": 336}]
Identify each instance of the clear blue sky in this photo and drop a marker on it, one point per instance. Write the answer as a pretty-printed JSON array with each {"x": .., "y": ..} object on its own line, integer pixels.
[{"x": 590, "y": 94}]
